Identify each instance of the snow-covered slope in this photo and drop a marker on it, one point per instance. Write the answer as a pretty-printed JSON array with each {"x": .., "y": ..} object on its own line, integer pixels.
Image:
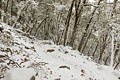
[{"x": 22, "y": 58}]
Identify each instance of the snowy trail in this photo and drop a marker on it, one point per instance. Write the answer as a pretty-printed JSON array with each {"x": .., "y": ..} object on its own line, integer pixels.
[{"x": 76, "y": 64}]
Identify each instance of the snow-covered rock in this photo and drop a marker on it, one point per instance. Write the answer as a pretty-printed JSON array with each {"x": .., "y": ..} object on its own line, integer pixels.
[{"x": 20, "y": 74}]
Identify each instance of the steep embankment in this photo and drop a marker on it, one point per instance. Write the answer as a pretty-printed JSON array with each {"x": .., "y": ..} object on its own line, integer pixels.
[{"x": 23, "y": 57}]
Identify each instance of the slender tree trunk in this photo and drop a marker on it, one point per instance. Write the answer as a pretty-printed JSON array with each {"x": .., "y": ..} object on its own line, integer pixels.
[
  {"x": 116, "y": 65},
  {"x": 101, "y": 53},
  {"x": 112, "y": 33},
  {"x": 88, "y": 36},
  {"x": 11, "y": 22},
  {"x": 5, "y": 18},
  {"x": 78, "y": 14},
  {"x": 87, "y": 27},
  {"x": 88, "y": 53},
  {"x": 95, "y": 50},
  {"x": 33, "y": 22},
  {"x": 112, "y": 50},
  {"x": 59, "y": 42},
  {"x": 7, "y": 6},
  {"x": 59, "y": 19},
  {"x": 77, "y": 4},
  {"x": 103, "y": 46},
  {"x": 106, "y": 60},
  {"x": 67, "y": 22},
  {"x": 11, "y": 8}
]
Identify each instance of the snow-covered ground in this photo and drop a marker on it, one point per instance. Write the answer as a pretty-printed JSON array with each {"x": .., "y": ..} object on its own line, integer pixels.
[{"x": 32, "y": 59}]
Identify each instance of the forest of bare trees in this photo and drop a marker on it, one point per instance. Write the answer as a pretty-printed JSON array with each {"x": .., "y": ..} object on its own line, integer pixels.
[{"x": 92, "y": 28}]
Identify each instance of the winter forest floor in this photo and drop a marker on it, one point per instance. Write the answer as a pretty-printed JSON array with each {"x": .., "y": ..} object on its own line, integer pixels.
[{"x": 26, "y": 58}]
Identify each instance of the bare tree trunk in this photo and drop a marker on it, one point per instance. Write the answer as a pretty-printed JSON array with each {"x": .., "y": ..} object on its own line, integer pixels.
[
  {"x": 88, "y": 53},
  {"x": 106, "y": 60},
  {"x": 116, "y": 65},
  {"x": 78, "y": 14},
  {"x": 7, "y": 6},
  {"x": 87, "y": 27},
  {"x": 33, "y": 22},
  {"x": 112, "y": 33},
  {"x": 77, "y": 5},
  {"x": 11, "y": 8},
  {"x": 5, "y": 18},
  {"x": 112, "y": 50},
  {"x": 88, "y": 36},
  {"x": 95, "y": 50},
  {"x": 67, "y": 22},
  {"x": 11, "y": 22},
  {"x": 103, "y": 46},
  {"x": 59, "y": 19}
]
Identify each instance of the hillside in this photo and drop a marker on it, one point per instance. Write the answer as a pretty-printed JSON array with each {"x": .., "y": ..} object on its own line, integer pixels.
[{"x": 22, "y": 57}]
